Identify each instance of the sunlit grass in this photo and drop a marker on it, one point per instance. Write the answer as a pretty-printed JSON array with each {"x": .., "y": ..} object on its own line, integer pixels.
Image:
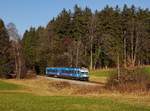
[
  {"x": 147, "y": 69},
  {"x": 100, "y": 75},
  {"x": 101, "y": 72},
  {"x": 108, "y": 72},
  {"x": 28, "y": 102},
  {"x": 16, "y": 101},
  {"x": 8, "y": 86}
]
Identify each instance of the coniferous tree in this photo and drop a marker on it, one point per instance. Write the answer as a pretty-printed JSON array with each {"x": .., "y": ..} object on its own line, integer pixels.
[
  {"x": 107, "y": 38},
  {"x": 6, "y": 64}
]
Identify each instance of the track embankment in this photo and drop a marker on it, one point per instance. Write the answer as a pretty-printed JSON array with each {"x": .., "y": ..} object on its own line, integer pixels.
[{"x": 76, "y": 82}]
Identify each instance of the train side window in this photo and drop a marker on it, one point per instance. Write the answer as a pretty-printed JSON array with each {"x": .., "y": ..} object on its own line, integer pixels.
[
  {"x": 77, "y": 72},
  {"x": 49, "y": 70},
  {"x": 71, "y": 71},
  {"x": 74, "y": 72}
]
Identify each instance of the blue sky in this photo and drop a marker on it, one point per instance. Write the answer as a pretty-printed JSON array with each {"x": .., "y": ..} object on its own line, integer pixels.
[{"x": 27, "y": 13}]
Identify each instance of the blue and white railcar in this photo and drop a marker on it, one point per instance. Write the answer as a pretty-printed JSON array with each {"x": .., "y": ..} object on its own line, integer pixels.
[{"x": 74, "y": 73}]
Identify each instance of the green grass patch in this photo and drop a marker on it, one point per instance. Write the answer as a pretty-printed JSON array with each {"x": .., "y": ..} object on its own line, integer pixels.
[
  {"x": 28, "y": 102},
  {"x": 108, "y": 72},
  {"x": 101, "y": 73},
  {"x": 8, "y": 86},
  {"x": 147, "y": 69}
]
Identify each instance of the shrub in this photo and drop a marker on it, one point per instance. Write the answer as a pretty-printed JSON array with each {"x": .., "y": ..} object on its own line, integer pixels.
[
  {"x": 61, "y": 85},
  {"x": 129, "y": 80},
  {"x": 88, "y": 90},
  {"x": 30, "y": 74}
]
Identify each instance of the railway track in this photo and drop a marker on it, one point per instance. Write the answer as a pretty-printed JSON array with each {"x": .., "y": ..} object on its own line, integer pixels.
[{"x": 77, "y": 82}]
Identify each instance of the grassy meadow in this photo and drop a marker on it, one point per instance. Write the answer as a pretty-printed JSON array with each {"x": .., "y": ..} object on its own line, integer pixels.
[
  {"x": 100, "y": 75},
  {"x": 29, "y": 102},
  {"x": 41, "y": 94},
  {"x": 8, "y": 86}
]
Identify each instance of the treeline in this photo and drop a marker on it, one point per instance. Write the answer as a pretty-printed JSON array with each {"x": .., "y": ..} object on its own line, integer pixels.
[
  {"x": 111, "y": 37},
  {"x": 81, "y": 38},
  {"x": 12, "y": 62}
]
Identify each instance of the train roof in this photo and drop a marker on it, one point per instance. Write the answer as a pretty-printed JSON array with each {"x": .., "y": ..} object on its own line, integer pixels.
[{"x": 66, "y": 68}]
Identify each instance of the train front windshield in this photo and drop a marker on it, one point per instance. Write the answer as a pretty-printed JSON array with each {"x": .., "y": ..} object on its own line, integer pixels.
[{"x": 85, "y": 74}]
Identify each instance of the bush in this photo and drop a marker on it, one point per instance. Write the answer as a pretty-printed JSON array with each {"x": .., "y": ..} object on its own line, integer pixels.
[
  {"x": 30, "y": 74},
  {"x": 129, "y": 80},
  {"x": 61, "y": 85}
]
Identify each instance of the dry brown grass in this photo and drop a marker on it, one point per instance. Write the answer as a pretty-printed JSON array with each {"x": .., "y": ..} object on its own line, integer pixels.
[
  {"x": 37, "y": 86},
  {"x": 98, "y": 79},
  {"x": 76, "y": 89},
  {"x": 44, "y": 87},
  {"x": 130, "y": 80}
]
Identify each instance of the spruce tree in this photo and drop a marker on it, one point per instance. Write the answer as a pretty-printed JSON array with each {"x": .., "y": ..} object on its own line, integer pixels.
[{"x": 5, "y": 58}]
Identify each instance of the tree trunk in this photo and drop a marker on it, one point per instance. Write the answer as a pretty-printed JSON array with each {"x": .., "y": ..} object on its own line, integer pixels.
[
  {"x": 132, "y": 44},
  {"x": 125, "y": 52},
  {"x": 118, "y": 65},
  {"x": 136, "y": 46},
  {"x": 97, "y": 56},
  {"x": 91, "y": 53},
  {"x": 20, "y": 68},
  {"x": 135, "y": 52},
  {"x": 71, "y": 58},
  {"x": 92, "y": 28},
  {"x": 77, "y": 54},
  {"x": 18, "y": 62}
]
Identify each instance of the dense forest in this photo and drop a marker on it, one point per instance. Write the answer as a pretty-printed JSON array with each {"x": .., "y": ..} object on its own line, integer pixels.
[
  {"x": 111, "y": 37},
  {"x": 82, "y": 38}
]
